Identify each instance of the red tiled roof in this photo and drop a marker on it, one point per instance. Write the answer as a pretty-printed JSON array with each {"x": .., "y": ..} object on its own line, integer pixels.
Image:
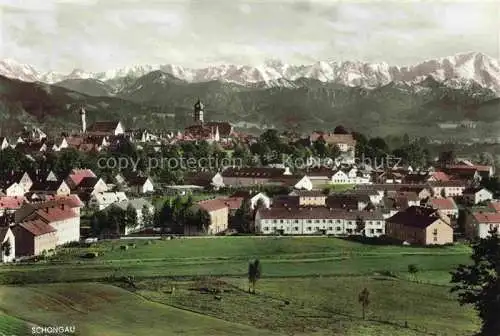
[
  {"x": 103, "y": 126},
  {"x": 415, "y": 216},
  {"x": 212, "y": 205},
  {"x": 317, "y": 213},
  {"x": 11, "y": 202},
  {"x": 73, "y": 201},
  {"x": 495, "y": 205},
  {"x": 443, "y": 203},
  {"x": 77, "y": 175},
  {"x": 54, "y": 214},
  {"x": 440, "y": 176},
  {"x": 262, "y": 172},
  {"x": 487, "y": 217},
  {"x": 233, "y": 203},
  {"x": 37, "y": 227},
  {"x": 331, "y": 138}
]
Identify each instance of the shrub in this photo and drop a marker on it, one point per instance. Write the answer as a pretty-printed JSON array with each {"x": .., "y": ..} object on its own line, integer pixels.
[
  {"x": 132, "y": 245},
  {"x": 90, "y": 255},
  {"x": 124, "y": 247}
]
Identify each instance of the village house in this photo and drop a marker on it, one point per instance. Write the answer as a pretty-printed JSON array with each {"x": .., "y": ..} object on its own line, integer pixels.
[
  {"x": 207, "y": 180},
  {"x": 101, "y": 200},
  {"x": 140, "y": 184},
  {"x": 318, "y": 220},
  {"x": 8, "y": 244},
  {"x": 50, "y": 187},
  {"x": 218, "y": 212},
  {"x": 255, "y": 198},
  {"x": 248, "y": 176},
  {"x": 445, "y": 205},
  {"x": 62, "y": 213},
  {"x": 61, "y": 217},
  {"x": 11, "y": 189},
  {"x": 478, "y": 224},
  {"x": 106, "y": 128},
  {"x": 448, "y": 188},
  {"x": 476, "y": 195},
  {"x": 310, "y": 197},
  {"x": 10, "y": 204},
  {"x": 76, "y": 176},
  {"x": 420, "y": 226},
  {"x": 33, "y": 238},
  {"x": 139, "y": 205},
  {"x": 89, "y": 186}
]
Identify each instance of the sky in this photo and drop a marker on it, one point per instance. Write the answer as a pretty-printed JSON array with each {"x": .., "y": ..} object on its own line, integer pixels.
[{"x": 99, "y": 35}]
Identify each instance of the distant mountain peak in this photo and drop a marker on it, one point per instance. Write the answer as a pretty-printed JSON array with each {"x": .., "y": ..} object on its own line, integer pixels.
[{"x": 462, "y": 68}]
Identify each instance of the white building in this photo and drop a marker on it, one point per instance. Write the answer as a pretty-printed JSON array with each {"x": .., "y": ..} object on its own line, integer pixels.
[
  {"x": 477, "y": 195},
  {"x": 100, "y": 201},
  {"x": 318, "y": 220},
  {"x": 139, "y": 205}
]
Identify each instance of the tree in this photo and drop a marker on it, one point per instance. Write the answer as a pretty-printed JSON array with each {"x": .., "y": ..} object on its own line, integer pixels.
[
  {"x": 364, "y": 300},
  {"x": 147, "y": 216},
  {"x": 479, "y": 283},
  {"x": 254, "y": 274},
  {"x": 320, "y": 147},
  {"x": 203, "y": 220},
  {"x": 413, "y": 270},
  {"x": 243, "y": 217},
  {"x": 166, "y": 215},
  {"x": 130, "y": 217},
  {"x": 6, "y": 248},
  {"x": 360, "y": 225},
  {"x": 447, "y": 157}
]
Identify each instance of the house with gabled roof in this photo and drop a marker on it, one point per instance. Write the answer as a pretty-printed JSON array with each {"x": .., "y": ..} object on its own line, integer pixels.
[
  {"x": 102, "y": 200},
  {"x": 420, "y": 226},
  {"x": 479, "y": 223},
  {"x": 33, "y": 238},
  {"x": 50, "y": 187},
  {"x": 445, "y": 205},
  {"x": 476, "y": 194},
  {"x": 139, "y": 205},
  {"x": 76, "y": 176},
  {"x": 106, "y": 128}
]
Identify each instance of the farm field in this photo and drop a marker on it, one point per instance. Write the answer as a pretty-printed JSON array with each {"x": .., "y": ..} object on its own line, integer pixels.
[{"x": 319, "y": 278}]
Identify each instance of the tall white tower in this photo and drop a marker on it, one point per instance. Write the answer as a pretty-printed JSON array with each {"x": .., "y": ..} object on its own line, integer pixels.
[{"x": 84, "y": 120}]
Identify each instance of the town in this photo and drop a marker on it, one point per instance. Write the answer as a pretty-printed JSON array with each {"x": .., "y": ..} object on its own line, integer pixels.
[{"x": 74, "y": 194}]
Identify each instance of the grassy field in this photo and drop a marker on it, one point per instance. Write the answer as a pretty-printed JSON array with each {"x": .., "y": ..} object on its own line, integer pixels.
[
  {"x": 99, "y": 309},
  {"x": 320, "y": 278}
]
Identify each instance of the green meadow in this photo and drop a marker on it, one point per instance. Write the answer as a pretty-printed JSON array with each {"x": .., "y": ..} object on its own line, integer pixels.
[{"x": 309, "y": 286}]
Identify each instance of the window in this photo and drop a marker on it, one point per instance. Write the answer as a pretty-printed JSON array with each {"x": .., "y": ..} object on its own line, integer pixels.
[
  {"x": 339, "y": 228},
  {"x": 309, "y": 221},
  {"x": 330, "y": 228},
  {"x": 435, "y": 232},
  {"x": 435, "y": 239},
  {"x": 317, "y": 228},
  {"x": 379, "y": 230},
  {"x": 266, "y": 228},
  {"x": 281, "y": 220},
  {"x": 275, "y": 221},
  {"x": 296, "y": 228},
  {"x": 372, "y": 231},
  {"x": 296, "y": 221}
]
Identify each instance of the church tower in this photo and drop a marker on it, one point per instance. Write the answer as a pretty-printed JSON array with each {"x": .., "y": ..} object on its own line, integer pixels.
[
  {"x": 84, "y": 120},
  {"x": 198, "y": 112}
]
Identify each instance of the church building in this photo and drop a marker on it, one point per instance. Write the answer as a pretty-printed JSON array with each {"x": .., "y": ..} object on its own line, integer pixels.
[{"x": 212, "y": 131}]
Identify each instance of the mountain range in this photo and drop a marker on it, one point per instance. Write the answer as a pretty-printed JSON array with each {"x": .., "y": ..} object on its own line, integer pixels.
[
  {"x": 374, "y": 98},
  {"x": 456, "y": 70}
]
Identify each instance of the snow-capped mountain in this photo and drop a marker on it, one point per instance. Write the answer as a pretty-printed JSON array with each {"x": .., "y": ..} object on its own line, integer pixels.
[{"x": 458, "y": 70}]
